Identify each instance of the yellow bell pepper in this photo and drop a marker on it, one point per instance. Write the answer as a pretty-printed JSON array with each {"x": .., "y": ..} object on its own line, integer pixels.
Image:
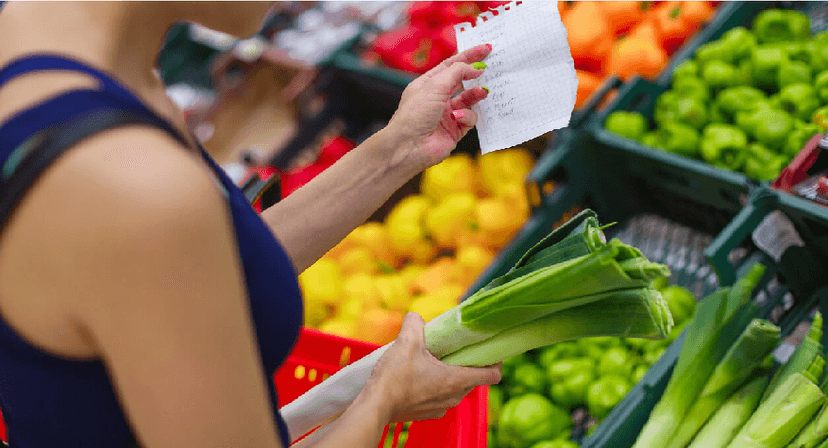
[
  {"x": 322, "y": 282},
  {"x": 505, "y": 166},
  {"x": 364, "y": 288},
  {"x": 472, "y": 260},
  {"x": 339, "y": 327},
  {"x": 405, "y": 224},
  {"x": 442, "y": 272},
  {"x": 454, "y": 174},
  {"x": 374, "y": 237},
  {"x": 497, "y": 220},
  {"x": 444, "y": 221},
  {"x": 394, "y": 292},
  {"x": 430, "y": 307},
  {"x": 358, "y": 260}
]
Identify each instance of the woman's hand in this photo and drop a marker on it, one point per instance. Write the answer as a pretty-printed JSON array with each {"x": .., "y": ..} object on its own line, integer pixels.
[
  {"x": 428, "y": 122},
  {"x": 417, "y": 386}
]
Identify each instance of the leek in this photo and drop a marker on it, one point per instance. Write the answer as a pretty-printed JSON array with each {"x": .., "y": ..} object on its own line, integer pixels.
[
  {"x": 782, "y": 415},
  {"x": 816, "y": 431},
  {"x": 718, "y": 320},
  {"x": 739, "y": 363},
  {"x": 729, "y": 418},
  {"x": 803, "y": 355},
  {"x": 572, "y": 284}
]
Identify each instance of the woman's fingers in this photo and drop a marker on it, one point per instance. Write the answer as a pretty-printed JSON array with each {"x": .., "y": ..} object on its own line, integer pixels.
[
  {"x": 466, "y": 118},
  {"x": 468, "y": 98},
  {"x": 473, "y": 54},
  {"x": 450, "y": 79}
]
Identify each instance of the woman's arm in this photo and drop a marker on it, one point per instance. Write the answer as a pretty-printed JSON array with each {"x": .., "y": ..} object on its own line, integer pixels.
[{"x": 422, "y": 133}]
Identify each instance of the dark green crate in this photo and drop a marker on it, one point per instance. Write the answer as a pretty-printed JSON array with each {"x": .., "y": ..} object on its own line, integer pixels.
[{"x": 783, "y": 302}]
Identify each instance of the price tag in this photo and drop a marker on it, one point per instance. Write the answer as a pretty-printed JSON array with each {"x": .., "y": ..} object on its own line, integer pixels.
[{"x": 776, "y": 234}]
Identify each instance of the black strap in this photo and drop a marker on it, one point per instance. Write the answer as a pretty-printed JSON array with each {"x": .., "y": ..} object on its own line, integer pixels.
[{"x": 44, "y": 147}]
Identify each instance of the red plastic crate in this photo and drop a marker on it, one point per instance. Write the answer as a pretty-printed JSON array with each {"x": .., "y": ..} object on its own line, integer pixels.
[{"x": 318, "y": 355}]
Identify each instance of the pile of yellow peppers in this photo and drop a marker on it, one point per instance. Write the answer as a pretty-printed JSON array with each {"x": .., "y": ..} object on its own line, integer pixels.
[{"x": 425, "y": 254}]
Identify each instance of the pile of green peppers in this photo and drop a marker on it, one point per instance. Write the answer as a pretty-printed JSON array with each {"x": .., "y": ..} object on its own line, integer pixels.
[
  {"x": 533, "y": 405},
  {"x": 747, "y": 102}
]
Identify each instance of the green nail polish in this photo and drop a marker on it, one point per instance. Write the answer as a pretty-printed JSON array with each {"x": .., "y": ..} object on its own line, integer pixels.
[
  {"x": 485, "y": 88},
  {"x": 479, "y": 65}
]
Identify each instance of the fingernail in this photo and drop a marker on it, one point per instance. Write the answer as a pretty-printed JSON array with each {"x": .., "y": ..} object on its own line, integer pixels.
[
  {"x": 458, "y": 114},
  {"x": 479, "y": 65},
  {"x": 485, "y": 88},
  {"x": 490, "y": 46}
]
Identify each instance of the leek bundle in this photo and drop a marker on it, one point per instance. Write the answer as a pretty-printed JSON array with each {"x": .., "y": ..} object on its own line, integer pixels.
[
  {"x": 789, "y": 407},
  {"x": 731, "y": 416},
  {"x": 572, "y": 284},
  {"x": 740, "y": 362},
  {"x": 717, "y": 322}
]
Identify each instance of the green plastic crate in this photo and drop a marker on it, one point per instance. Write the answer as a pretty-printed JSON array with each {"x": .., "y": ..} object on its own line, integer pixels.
[{"x": 788, "y": 294}]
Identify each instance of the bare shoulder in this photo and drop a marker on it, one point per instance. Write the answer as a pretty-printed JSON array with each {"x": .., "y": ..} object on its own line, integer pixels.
[{"x": 115, "y": 214}]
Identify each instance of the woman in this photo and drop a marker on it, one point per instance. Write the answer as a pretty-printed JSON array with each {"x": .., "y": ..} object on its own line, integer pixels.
[{"x": 140, "y": 295}]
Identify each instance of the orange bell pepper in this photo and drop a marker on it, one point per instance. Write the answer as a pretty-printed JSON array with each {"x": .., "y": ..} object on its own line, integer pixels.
[
  {"x": 636, "y": 55},
  {"x": 587, "y": 83},
  {"x": 674, "y": 27},
  {"x": 622, "y": 15},
  {"x": 589, "y": 36}
]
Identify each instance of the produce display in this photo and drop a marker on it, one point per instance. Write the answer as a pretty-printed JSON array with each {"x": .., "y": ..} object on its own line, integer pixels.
[
  {"x": 621, "y": 37},
  {"x": 590, "y": 374},
  {"x": 747, "y": 102}
]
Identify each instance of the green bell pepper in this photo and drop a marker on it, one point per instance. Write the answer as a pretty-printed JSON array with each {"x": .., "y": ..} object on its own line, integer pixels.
[
  {"x": 530, "y": 418},
  {"x": 799, "y": 100},
  {"x": 723, "y": 145},
  {"x": 509, "y": 365},
  {"x": 604, "y": 394},
  {"x": 572, "y": 390},
  {"x": 591, "y": 349},
  {"x": 561, "y": 369},
  {"x": 666, "y": 107},
  {"x": 558, "y": 443},
  {"x": 762, "y": 163},
  {"x": 687, "y": 69},
  {"x": 820, "y": 118},
  {"x": 771, "y": 127},
  {"x": 740, "y": 42},
  {"x": 715, "y": 115},
  {"x": 495, "y": 403},
  {"x": 821, "y": 86},
  {"x": 638, "y": 373},
  {"x": 797, "y": 139},
  {"x": 719, "y": 74},
  {"x": 525, "y": 379},
  {"x": 796, "y": 51},
  {"x": 691, "y": 111},
  {"x": 734, "y": 45},
  {"x": 780, "y": 25},
  {"x": 691, "y": 87},
  {"x": 616, "y": 360},
  {"x": 765, "y": 63},
  {"x": 679, "y": 138},
  {"x": 561, "y": 350},
  {"x": 739, "y": 98},
  {"x": 631, "y": 125},
  {"x": 794, "y": 73},
  {"x": 682, "y": 303},
  {"x": 818, "y": 54},
  {"x": 651, "y": 139}
]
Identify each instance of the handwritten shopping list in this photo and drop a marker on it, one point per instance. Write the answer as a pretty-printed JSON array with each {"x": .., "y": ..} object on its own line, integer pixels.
[{"x": 530, "y": 73}]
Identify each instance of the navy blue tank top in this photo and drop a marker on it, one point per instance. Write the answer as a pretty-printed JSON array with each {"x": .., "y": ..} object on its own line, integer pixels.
[{"x": 50, "y": 401}]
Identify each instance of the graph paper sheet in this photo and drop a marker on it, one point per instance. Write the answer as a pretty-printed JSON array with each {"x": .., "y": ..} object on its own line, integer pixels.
[{"x": 530, "y": 73}]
